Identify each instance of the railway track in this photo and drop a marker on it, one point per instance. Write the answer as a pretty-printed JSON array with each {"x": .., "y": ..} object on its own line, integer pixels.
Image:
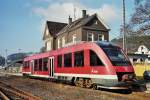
[
  {"x": 7, "y": 92},
  {"x": 46, "y": 90},
  {"x": 3, "y": 96}
]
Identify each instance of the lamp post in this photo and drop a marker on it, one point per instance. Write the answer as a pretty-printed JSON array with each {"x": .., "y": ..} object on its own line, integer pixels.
[
  {"x": 6, "y": 58},
  {"x": 124, "y": 30}
]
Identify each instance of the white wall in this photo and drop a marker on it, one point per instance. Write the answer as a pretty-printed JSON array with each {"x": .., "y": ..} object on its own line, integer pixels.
[{"x": 142, "y": 50}]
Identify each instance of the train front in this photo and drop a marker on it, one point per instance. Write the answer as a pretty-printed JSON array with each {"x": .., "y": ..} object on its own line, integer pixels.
[{"x": 121, "y": 64}]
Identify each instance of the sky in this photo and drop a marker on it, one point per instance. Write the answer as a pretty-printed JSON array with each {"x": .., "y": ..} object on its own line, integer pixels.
[{"x": 22, "y": 22}]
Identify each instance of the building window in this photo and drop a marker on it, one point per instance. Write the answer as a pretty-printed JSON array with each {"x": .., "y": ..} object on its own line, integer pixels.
[
  {"x": 58, "y": 43},
  {"x": 48, "y": 45},
  {"x": 47, "y": 32},
  {"x": 90, "y": 37},
  {"x": 74, "y": 38},
  {"x": 148, "y": 58},
  {"x": 59, "y": 61},
  {"x": 79, "y": 59},
  {"x": 68, "y": 60},
  {"x": 100, "y": 37},
  {"x": 96, "y": 22},
  {"x": 134, "y": 60},
  {"x": 94, "y": 59},
  {"x": 45, "y": 62},
  {"x": 63, "y": 41},
  {"x": 141, "y": 48}
]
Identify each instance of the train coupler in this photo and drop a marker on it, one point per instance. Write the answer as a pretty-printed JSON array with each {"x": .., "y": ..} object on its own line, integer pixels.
[{"x": 138, "y": 86}]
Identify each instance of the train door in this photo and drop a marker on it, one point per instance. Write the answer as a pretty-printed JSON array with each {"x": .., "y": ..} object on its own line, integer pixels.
[
  {"x": 51, "y": 66},
  {"x": 32, "y": 66}
]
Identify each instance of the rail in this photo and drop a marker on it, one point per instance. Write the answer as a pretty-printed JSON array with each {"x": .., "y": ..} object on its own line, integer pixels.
[{"x": 7, "y": 92}]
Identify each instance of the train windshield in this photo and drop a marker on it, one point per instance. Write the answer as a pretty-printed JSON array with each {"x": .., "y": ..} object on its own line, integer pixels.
[{"x": 116, "y": 56}]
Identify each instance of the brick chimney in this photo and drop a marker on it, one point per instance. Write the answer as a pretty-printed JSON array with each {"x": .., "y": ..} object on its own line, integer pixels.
[
  {"x": 83, "y": 13},
  {"x": 70, "y": 20}
]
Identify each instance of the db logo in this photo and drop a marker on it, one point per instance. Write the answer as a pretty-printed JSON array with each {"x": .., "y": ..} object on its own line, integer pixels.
[{"x": 94, "y": 71}]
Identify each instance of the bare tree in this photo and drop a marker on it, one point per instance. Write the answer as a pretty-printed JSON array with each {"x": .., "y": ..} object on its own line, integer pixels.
[
  {"x": 139, "y": 23},
  {"x": 140, "y": 19}
]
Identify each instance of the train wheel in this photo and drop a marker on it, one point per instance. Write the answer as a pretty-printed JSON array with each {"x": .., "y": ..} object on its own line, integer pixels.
[
  {"x": 81, "y": 82},
  {"x": 88, "y": 83},
  {"x": 76, "y": 82},
  {"x": 95, "y": 87}
]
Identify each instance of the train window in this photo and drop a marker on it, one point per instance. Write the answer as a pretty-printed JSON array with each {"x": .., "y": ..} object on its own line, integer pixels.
[
  {"x": 79, "y": 59},
  {"x": 68, "y": 60},
  {"x": 59, "y": 60},
  {"x": 25, "y": 64},
  {"x": 45, "y": 67},
  {"x": 94, "y": 59},
  {"x": 36, "y": 65},
  {"x": 40, "y": 64},
  {"x": 28, "y": 64},
  {"x": 116, "y": 56}
]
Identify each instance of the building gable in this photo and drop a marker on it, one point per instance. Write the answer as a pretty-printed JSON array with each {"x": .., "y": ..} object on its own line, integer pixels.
[
  {"x": 95, "y": 23},
  {"x": 46, "y": 33},
  {"x": 142, "y": 49},
  {"x": 52, "y": 28},
  {"x": 82, "y": 22}
]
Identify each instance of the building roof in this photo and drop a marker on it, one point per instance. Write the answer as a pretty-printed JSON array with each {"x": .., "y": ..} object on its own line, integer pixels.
[
  {"x": 80, "y": 22},
  {"x": 54, "y": 27}
]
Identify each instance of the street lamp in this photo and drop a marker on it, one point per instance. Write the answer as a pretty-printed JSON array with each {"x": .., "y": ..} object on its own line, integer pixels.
[
  {"x": 124, "y": 30},
  {"x": 6, "y": 58}
]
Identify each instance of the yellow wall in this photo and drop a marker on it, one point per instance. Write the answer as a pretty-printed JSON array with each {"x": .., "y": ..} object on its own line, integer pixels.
[{"x": 140, "y": 68}]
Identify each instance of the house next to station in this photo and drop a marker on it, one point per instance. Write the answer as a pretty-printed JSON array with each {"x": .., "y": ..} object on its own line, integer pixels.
[{"x": 87, "y": 28}]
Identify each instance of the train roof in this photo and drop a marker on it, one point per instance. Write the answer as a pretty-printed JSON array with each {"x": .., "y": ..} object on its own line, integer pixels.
[
  {"x": 100, "y": 43},
  {"x": 106, "y": 44}
]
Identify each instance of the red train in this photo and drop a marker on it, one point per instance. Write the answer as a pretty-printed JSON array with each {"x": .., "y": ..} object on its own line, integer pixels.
[{"x": 86, "y": 64}]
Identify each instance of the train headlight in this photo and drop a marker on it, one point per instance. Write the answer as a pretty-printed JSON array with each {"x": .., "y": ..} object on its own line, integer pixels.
[
  {"x": 130, "y": 76},
  {"x": 124, "y": 77}
]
